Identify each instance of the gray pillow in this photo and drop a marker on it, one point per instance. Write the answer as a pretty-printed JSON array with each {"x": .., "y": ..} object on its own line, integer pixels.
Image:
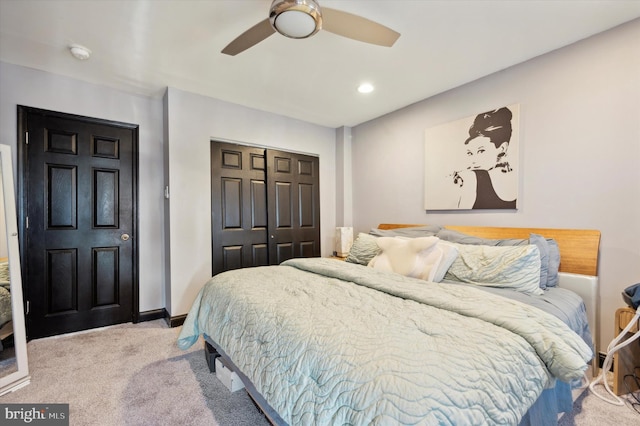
[
  {"x": 364, "y": 249},
  {"x": 549, "y": 253},
  {"x": 554, "y": 263},
  {"x": 460, "y": 238},
  {"x": 413, "y": 232},
  {"x": 543, "y": 247}
]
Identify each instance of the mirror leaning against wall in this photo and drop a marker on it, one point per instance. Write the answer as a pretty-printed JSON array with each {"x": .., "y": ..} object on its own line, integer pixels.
[{"x": 14, "y": 370}]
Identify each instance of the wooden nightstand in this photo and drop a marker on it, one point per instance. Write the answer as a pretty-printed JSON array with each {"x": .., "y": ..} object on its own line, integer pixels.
[{"x": 628, "y": 357}]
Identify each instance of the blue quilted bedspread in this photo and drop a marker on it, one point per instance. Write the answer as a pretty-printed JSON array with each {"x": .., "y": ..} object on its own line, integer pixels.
[{"x": 329, "y": 342}]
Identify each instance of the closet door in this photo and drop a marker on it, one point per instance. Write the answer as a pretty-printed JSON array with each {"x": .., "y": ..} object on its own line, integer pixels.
[
  {"x": 265, "y": 206},
  {"x": 293, "y": 205},
  {"x": 238, "y": 207}
]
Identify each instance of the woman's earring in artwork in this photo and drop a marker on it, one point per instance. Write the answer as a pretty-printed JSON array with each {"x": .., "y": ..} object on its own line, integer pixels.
[{"x": 501, "y": 162}]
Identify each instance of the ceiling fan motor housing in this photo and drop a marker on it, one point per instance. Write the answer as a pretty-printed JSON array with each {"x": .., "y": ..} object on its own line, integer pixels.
[{"x": 295, "y": 18}]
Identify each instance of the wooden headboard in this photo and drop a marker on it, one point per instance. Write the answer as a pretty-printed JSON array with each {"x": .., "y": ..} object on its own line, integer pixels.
[{"x": 578, "y": 247}]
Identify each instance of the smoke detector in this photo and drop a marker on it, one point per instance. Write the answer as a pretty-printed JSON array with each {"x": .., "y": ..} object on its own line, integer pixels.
[{"x": 80, "y": 52}]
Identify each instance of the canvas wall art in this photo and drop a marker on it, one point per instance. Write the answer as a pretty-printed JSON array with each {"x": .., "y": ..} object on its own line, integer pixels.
[{"x": 472, "y": 163}]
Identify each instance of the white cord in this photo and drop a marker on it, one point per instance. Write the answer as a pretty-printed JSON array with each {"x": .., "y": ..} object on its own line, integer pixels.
[
  {"x": 613, "y": 347},
  {"x": 584, "y": 382}
]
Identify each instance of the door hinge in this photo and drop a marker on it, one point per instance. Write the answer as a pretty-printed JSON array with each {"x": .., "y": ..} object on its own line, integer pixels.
[
  {"x": 28, "y": 307},
  {"x": 26, "y": 138},
  {"x": 26, "y": 222}
]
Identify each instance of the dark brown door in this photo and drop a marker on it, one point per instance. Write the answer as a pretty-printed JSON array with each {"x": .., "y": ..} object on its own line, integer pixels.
[
  {"x": 78, "y": 222},
  {"x": 293, "y": 204},
  {"x": 238, "y": 207},
  {"x": 265, "y": 206}
]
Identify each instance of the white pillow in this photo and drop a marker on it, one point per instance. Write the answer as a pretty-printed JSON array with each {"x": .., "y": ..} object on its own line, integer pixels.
[
  {"x": 414, "y": 257},
  {"x": 516, "y": 267},
  {"x": 449, "y": 253}
]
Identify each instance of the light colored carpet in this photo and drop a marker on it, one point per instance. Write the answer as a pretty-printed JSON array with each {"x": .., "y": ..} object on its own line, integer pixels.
[
  {"x": 134, "y": 374},
  {"x": 131, "y": 375},
  {"x": 589, "y": 410}
]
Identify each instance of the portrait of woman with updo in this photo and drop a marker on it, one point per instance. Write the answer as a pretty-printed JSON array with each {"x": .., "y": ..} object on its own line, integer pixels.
[
  {"x": 470, "y": 163},
  {"x": 486, "y": 183}
]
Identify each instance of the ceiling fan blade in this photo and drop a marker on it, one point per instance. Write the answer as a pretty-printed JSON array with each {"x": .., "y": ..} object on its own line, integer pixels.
[
  {"x": 357, "y": 28},
  {"x": 251, "y": 37}
]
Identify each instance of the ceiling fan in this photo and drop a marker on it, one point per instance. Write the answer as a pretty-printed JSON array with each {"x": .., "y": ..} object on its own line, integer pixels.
[{"x": 304, "y": 18}]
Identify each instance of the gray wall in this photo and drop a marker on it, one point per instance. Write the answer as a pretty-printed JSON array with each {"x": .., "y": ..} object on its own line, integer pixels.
[
  {"x": 175, "y": 132},
  {"x": 193, "y": 121},
  {"x": 29, "y": 87},
  {"x": 579, "y": 153}
]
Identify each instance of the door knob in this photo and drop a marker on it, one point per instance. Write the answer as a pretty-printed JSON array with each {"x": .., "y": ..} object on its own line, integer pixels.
[{"x": 124, "y": 237}]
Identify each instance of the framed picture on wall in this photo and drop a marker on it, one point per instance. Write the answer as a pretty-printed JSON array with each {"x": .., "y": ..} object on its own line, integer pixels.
[{"x": 472, "y": 163}]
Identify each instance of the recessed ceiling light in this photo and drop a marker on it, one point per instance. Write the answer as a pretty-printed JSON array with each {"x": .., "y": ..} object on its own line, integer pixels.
[
  {"x": 80, "y": 52},
  {"x": 365, "y": 88}
]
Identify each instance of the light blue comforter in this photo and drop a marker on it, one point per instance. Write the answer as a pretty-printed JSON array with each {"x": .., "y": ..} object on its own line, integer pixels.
[{"x": 329, "y": 342}]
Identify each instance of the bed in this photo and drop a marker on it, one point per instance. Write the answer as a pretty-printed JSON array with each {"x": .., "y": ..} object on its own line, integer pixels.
[
  {"x": 5, "y": 301},
  {"x": 6, "y": 315},
  {"x": 324, "y": 341}
]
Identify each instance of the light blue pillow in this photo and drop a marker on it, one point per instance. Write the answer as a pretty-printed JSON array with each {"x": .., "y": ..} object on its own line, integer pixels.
[
  {"x": 549, "y": 252},
  {"x": 514, "y": 267}
]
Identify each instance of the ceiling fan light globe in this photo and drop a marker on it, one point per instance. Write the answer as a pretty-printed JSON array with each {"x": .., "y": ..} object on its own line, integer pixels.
[
  {"x": 295, "y": 24},
  {"x": 295, "y": 18}
]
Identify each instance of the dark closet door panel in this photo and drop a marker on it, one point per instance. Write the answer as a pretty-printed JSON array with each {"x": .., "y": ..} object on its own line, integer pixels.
[
  {"x": 308, "y": 248},
  {"x": 260, "y": 254},
  {"x": 283, "y": 206},
  {"x": 306, "y": 205},
  {"x": 284, "y": 251},
  {"x": 282, "y": 162},
  {"x": 259, "y": 204},
  {"x": 231, "y": 203},
  {"x": 293, "y": 204},
  {"x": 264, "y": 206},
  {"x": 232, "y": 257},
  {"x": 238, "y": 206}
]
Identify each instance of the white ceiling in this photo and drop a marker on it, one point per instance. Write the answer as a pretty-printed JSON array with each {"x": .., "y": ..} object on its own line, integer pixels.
[{"x": 143, "y": 46}]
